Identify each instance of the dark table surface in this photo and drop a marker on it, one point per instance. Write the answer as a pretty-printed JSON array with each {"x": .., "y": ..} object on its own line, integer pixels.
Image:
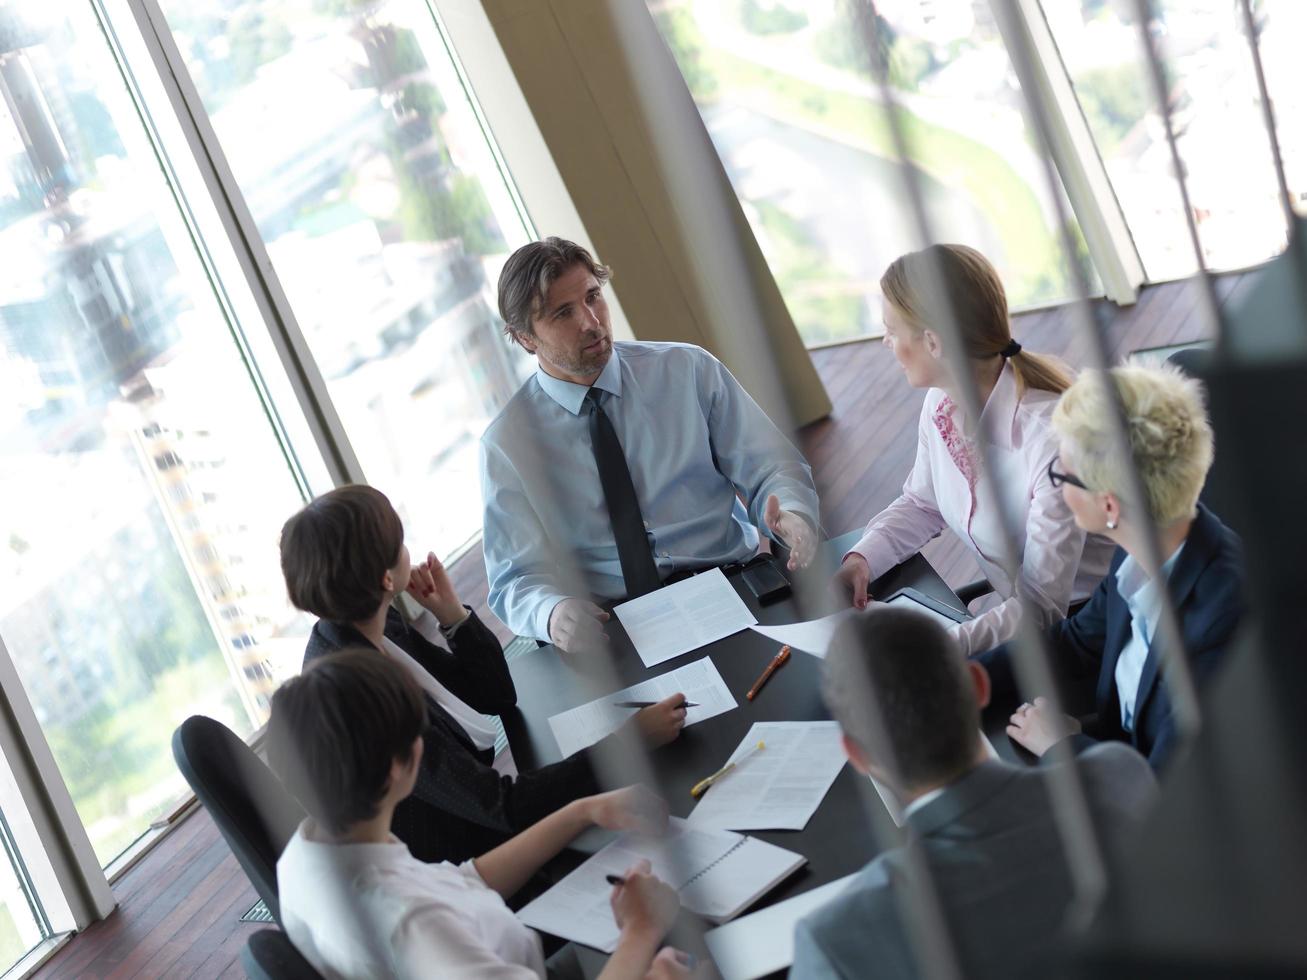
[{"x": 837, "y": 840}]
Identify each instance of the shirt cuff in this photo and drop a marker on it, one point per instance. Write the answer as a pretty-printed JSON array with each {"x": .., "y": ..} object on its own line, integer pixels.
[
  {"x": 878, "y": 558},
  {"x": 543, "y": 613},
  {"x": 452, "y": 628},
  {"x": 430, "y": 627}
]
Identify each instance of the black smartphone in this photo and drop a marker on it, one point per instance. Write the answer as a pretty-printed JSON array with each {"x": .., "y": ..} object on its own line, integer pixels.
[{"x": 766, "y": 582}]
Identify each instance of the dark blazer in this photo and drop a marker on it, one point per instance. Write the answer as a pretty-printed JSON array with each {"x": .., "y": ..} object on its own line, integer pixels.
[
  {"x": 999, "y": 871},
  {"x": 1206, "y": 586},
  {"x": 461, "y": 807}
]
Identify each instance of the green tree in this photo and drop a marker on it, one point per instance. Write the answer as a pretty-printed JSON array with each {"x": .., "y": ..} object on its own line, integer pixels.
[
  {"x": 1114, "y": 99},
  {"x": 255, "y": 38},
  {"x": 771, "y": 17},
  {"x": 681, "y": 32},
  {"x": 422, "y": 98}
]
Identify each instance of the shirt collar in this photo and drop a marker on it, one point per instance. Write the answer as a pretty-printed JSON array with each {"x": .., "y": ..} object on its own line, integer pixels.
[
  {"x": 1001, "y": 405},
  {"x": 1133, "y": 583},
  {"x": 572, "y": 396},
  {"x": 922, "y": 800}
]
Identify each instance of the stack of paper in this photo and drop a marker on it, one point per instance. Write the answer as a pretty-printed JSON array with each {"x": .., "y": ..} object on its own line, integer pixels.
[
  {"x": 779, "y": 787},
  {"x": 682, "y": 617},
  {"x": 718, "y": 875},
  {"x": 699, "y": 682}
]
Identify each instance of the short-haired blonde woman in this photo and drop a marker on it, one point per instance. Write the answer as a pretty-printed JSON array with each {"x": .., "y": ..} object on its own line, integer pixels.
[
  {"x": 1060, "y": 566},
  {"x": 1105, "y": 652}
]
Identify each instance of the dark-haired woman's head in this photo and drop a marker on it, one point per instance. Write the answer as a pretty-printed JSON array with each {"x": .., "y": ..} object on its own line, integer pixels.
[
  {"x": 337, "y": 552},
  {"x": 345, "y": 733}
]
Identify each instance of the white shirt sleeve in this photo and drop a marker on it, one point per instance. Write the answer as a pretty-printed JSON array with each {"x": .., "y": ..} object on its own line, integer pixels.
[
  {"x": 1054, "y": 545},
  {"x": 903, "y": 528},
  {"x": 429, "y": 943}
]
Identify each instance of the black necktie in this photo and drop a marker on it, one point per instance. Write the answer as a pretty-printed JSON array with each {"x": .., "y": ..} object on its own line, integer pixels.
[{"x": 638, "y": 568}]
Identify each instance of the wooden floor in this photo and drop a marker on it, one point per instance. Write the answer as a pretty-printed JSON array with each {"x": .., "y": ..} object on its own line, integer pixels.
[{"x": 178, "y": 908}]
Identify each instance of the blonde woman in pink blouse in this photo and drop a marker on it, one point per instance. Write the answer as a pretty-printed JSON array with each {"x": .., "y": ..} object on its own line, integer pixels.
[{"x": 1060, "y": 565}]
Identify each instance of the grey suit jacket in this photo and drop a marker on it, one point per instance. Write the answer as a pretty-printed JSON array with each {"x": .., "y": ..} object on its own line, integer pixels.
[{"x": 999, "y": 872}]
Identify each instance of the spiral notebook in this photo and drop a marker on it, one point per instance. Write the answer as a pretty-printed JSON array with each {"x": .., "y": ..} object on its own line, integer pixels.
[{"x": 718, "y": 873}]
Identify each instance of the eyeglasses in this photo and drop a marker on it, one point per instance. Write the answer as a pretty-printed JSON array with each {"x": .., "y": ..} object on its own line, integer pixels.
[{"x": 1057, "y": 479}]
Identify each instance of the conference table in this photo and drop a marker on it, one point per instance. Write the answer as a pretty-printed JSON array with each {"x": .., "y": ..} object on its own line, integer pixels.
[{"x": 838, "y": 840}]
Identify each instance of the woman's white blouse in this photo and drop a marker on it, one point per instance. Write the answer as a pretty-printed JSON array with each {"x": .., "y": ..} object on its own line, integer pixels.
[
  {"x": 1059, "y": 563},
  {"x": 361, "y": 911}
]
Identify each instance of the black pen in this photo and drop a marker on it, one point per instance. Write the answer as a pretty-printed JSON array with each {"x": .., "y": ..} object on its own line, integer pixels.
[
  {"x": 650, "y": 704},
  {"x": 615, "y": 879}
]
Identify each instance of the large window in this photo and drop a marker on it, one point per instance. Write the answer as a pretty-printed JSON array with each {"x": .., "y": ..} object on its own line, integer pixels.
[
  {"x": 350, "y": 135},
  {"x": 1217, "y": 116},
  {"x": 142, "y": 483},
  {"x": 787, "y": 95}
]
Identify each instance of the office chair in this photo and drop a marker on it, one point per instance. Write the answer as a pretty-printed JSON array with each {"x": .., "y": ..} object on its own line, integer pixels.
[
  {"x": 253, "y": 811},
  {"x": 1197, "y": 362},
  {"x": 269, "y": 955}
]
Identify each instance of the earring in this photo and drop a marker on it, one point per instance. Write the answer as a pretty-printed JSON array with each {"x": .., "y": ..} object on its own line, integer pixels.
[{"x": 1111, "y": 525}]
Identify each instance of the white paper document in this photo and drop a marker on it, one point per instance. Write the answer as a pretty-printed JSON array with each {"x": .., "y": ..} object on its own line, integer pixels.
[
  {"x": 812, "y": 637},
  {"x": 778, "y": 787},
  {"x": 717, "y": 873},
  {"x": 699, "y": 682},
  {"x": 682, "y": 617},
  {"x": 762, "y": 942}
]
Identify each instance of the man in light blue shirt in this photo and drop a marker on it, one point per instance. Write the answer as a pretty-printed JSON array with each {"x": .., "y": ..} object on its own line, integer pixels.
[{"x": 705, "y": 463}]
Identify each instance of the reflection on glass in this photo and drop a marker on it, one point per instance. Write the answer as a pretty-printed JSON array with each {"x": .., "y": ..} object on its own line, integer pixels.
[
  {"x": 1216, "y": 114},
  {"x": 787, "y": 96},
  {"x": 387, "y": 221},
  {"x": 142, "y": 486}
]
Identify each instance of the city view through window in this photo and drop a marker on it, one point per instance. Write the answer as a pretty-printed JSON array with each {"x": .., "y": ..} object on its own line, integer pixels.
[
  {"x": 387, "y": 221},
  {"x": 143, "y": 487},
  {"x": 800, "y": 125},
  {"x": 1217, "y": 116}
]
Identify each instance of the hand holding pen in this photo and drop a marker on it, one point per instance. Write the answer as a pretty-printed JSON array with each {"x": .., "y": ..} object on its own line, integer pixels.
[{"x": 661, "y": 721}]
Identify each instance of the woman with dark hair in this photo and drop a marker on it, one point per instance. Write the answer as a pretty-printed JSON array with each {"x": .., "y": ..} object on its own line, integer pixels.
[
  {"x": 344, "y": 559},
  {"x": 1060, "y": 564},
  {"x": 346, "y": 737}
]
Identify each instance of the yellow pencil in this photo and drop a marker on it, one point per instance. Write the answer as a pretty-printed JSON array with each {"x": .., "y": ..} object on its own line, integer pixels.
[{"x": 699, "y": 788}]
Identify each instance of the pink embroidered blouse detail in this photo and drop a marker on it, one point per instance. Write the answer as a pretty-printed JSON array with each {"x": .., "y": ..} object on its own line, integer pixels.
[
  {"x": 1058, "y": 564},
  {"x": 960, "y": 449}
]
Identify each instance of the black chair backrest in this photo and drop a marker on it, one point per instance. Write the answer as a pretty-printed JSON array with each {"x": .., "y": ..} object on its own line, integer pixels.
[
  {"x": 269, "y": 955},
  {"x": 252, "y": 809},
  {"x": 1195, "y": 362}
]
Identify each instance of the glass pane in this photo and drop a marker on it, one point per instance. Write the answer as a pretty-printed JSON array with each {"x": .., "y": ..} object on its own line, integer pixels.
[
  {"x": 1217, "y": 117},
  {"x": 20, "y": 929},
  {"x": 787, "y": 97},
  {"x": 143, "y": 487},
  {"x": 387, "y": 220}
]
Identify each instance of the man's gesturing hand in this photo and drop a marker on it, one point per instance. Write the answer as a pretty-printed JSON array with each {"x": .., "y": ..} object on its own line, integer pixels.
[
  {"x": 576, "y": 625},
  {"x": 792, "y": 531}
]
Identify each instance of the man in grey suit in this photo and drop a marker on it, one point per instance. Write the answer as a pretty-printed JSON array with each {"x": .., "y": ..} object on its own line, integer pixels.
[{"x": 986, "y": 828}]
